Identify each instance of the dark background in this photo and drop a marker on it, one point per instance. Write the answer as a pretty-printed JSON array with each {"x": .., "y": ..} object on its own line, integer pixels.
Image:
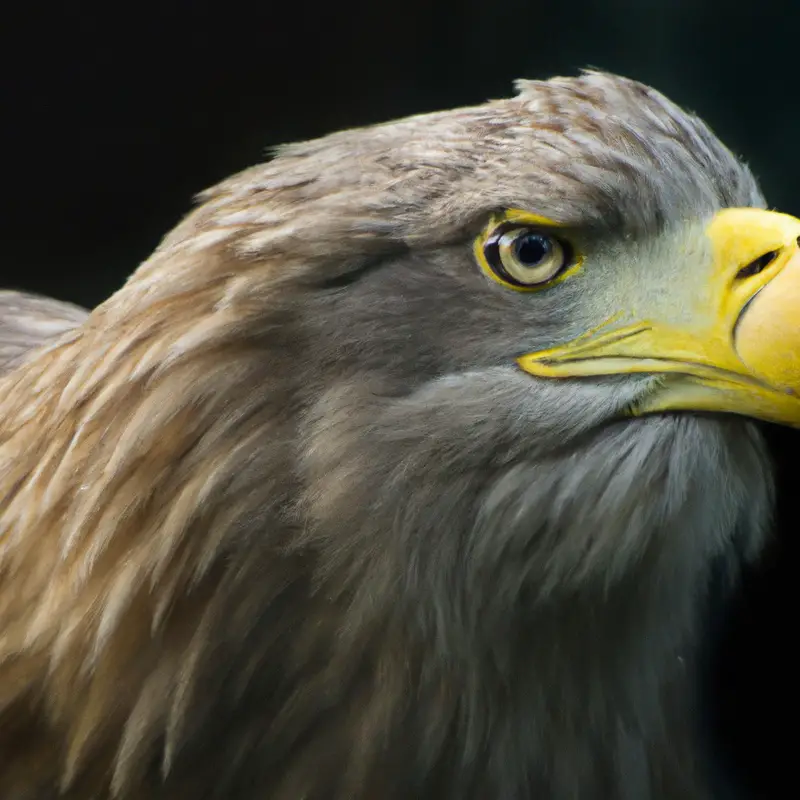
[{"x": 112, "y": 116}]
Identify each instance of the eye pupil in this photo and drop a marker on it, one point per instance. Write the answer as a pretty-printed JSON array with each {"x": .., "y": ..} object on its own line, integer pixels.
[{"x": 532, "y": 248}]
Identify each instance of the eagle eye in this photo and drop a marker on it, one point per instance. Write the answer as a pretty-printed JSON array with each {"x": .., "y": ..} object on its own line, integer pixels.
[{"x": 524, "y": 257}]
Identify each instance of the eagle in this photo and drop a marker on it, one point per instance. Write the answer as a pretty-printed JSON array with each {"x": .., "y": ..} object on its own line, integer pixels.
[{"x": 401, "y": 468}]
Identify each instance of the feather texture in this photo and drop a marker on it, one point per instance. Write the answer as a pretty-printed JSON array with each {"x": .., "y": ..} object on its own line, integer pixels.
[
  {"x": 263, "y": 534},
  {"x": 28, "y": 322}
]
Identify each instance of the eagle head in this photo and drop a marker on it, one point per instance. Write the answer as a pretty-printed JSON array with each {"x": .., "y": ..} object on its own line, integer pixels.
[{"x": 400, "y": 469}]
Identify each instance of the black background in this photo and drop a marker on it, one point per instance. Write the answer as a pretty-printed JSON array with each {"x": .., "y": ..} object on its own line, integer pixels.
[{"x": 113, "y": 115}]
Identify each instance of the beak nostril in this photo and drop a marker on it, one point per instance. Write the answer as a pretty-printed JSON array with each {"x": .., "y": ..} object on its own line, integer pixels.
[{"x": 759, "y": 265}]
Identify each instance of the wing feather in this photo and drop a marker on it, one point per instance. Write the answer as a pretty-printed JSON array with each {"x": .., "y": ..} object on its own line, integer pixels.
[{"x": 29, "y": 321}]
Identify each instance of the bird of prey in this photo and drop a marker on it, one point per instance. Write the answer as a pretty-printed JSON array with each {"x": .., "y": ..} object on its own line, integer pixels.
[{"x": 400, "y": 468}]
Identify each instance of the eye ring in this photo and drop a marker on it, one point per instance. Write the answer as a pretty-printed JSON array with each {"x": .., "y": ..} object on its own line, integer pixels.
[{"x": 525, "y": 257}]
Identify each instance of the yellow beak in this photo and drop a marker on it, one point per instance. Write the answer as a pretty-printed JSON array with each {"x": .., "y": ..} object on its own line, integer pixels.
[{"x": 735, "y": 349}]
